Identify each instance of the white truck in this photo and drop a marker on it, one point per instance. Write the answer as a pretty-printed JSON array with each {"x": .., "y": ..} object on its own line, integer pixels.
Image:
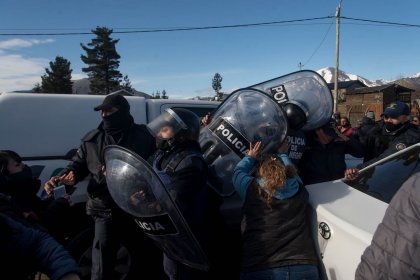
[{"x": 46, "y": 129}]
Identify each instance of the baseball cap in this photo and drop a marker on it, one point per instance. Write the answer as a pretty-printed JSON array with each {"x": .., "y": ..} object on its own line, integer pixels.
[
  {"x": 114, "y": 100},
  {"x": 396, "y": 109}
]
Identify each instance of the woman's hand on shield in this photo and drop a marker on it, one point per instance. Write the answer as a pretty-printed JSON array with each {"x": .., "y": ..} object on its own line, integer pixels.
[{"x": 255, "y": 149}]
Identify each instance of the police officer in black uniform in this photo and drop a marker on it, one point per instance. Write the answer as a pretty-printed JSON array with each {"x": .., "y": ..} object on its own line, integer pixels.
[
  {"x": 117, "y": 128},
  {"x": 179, "y": 158},
  {"x": 395, "y": 134}
]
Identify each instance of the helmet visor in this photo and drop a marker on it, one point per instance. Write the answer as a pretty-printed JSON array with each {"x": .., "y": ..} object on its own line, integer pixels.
[{"x": 167, "y": 125}]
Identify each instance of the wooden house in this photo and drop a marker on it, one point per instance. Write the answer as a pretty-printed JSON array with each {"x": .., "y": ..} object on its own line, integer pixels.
[{"x": 358, "y": 101}]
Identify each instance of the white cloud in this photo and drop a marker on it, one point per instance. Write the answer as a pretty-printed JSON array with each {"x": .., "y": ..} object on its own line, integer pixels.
[
  {"x": 19, "y": 73},
  {"x": 21, "y": 83},
  {"x": 20, "y": 43},
  {"x": 16, "y": 71}
]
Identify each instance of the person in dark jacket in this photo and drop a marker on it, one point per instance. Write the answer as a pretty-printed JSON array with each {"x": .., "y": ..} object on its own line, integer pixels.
[
  {"x": 394, "y": 251},
  {"x": 21, "y": 188},
  {"x": 275, "y": 227},
  {"x": 179, "y": 159},
  {"x": 395, "y": 134},
  {"x": 117, "y": 128},
  {"x": 361, "y": 132},
  {"x": 324, "y": 156},
  {"x": 26, "y": 250}
]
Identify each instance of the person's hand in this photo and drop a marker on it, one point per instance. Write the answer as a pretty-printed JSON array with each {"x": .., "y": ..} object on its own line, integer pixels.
[
  {"x": 137, "y": 197},
  {"x": 68, "y": 179},
  {"x": 50, "y": 184},
  {"x": 255, "y": 149},
  {"x": 103, "y": 169},
  {"x": 351, "y": 173}
]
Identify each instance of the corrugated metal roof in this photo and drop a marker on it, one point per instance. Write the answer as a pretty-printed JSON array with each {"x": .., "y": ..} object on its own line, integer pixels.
[{"x": 398, "y": 89}]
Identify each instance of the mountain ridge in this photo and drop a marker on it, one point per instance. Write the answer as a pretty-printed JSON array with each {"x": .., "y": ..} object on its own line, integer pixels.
[{"x": 328, "y": 73}]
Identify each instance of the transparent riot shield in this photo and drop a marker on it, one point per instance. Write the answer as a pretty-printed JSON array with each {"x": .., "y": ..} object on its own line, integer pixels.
[
  {"x": 246, "y": 116},
  {"x": 307, "y": 90},
  {"x": 139, "y": 191}
]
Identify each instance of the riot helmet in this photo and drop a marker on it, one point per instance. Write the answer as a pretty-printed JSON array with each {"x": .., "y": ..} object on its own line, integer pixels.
[
  {"x": 296, "y": 116},
  {"x": 175, "y": 126}
]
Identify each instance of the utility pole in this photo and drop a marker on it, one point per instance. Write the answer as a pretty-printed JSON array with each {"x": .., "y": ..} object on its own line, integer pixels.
[
  {"x": 337, "y": 48},
  {"x": 300, "y": 65}
]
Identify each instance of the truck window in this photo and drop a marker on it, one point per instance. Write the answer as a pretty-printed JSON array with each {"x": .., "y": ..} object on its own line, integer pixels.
[
  {"x": 199, "y": 111},
  {"x": 384, "y": 179}
]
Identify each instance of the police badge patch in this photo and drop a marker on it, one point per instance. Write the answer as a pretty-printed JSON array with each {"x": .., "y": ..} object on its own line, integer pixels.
[{"x": 400, "y": 146}]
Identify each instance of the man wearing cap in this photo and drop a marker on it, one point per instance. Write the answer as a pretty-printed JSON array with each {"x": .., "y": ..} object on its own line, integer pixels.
[
  {"x": 117, "y": 128},
  {"x": 395, "y": 134},
  {"x": 324, "y": 155}
]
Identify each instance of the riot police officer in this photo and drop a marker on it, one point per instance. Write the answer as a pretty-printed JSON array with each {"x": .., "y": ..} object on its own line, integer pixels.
[{"x": 179, "y": 162}]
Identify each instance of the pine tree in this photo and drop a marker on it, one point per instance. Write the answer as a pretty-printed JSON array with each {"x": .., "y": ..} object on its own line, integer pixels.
[
  {"x": 156, "y": 95},
  {"x": 103, "y": 62},
  {"x": 37, "y": 88},
  {"x": 57, "y": 79},
  {"x": 164, "y": 95},
  {"x": 217, "y": 86},
  {"x": 126, "y": 85}
]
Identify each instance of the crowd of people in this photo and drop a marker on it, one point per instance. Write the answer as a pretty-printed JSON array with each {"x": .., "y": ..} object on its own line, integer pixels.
[{"x": 275, "y": 231}]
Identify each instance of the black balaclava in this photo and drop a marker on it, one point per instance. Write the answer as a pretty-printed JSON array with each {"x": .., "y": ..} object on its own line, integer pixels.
[
  {"x": 392, "y": 129},
  {"x": 166, "y": 144},
  {"x": 21, "y": 183},
  {"x": 117, "y": 123}
]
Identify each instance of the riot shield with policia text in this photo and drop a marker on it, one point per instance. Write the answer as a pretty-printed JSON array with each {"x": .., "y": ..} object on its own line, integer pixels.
[
  {"x": 139, "y": 191},
  {"x": 265, "y": 111},
  {"x": 305, "y": 98},
  {"x": 246, "y": 116}
]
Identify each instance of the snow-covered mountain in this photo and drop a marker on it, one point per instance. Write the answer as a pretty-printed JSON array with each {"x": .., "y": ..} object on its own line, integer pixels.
[{"x": 328, "y": 75}]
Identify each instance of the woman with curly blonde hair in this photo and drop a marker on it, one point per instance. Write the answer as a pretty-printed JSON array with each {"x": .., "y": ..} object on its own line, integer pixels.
[{"x": 276, "y": 237}]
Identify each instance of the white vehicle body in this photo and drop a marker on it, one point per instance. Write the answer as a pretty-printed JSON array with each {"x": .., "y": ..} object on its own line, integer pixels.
[
  {"x": 46, "y": 129},
  {"x": 352, "y": 218},
  {"x": 345, "y": 218}
]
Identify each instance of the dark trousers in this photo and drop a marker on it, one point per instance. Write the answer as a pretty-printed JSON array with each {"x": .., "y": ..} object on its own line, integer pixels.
[
  {"x": 104, "y": 249},
  {"x": 177, "y": 271}
]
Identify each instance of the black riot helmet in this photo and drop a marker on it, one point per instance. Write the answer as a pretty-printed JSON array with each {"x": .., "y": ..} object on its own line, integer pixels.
[
  {"x": 193, "y": 125},
  {"x": 176, "y": 125},
  {"x": 296, "y": 117}
]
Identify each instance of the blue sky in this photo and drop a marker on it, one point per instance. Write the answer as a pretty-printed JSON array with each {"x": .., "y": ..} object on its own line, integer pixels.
[{"x": 184, "y": 63}]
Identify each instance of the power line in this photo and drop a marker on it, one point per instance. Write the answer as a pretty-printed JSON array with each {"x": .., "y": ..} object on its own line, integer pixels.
[
  {"x": 322, "y": 41},
  {"x": 155, "y": 30},
  {"x": 168, "y": 29},
  {"x": 383, "y": 22}
]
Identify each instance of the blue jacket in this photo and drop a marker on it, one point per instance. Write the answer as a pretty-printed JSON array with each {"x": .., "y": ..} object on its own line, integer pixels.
[
  {"x": 242, "y": 179},
  {"x": 278, "y": 234},
  {"x": 25, "y": 250}
]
